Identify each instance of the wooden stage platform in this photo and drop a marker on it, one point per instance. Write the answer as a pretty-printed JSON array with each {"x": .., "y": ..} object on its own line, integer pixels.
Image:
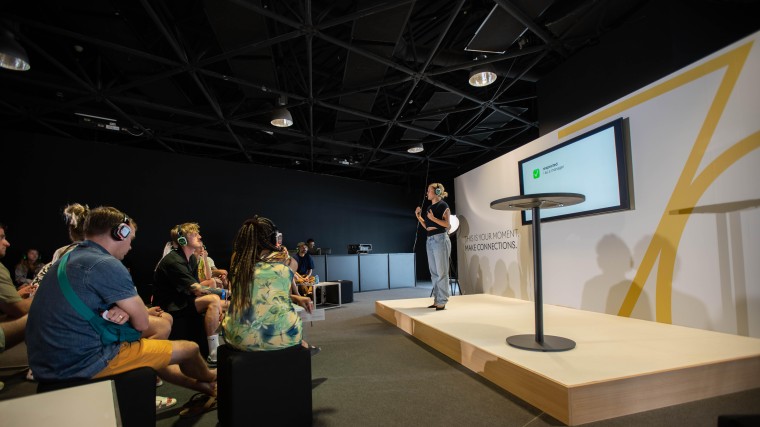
[{"x": 619, "y": 366}]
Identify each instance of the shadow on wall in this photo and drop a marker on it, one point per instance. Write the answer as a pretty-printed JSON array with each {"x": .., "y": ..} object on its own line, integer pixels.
[
  {"x": 687, "y": 310},
  {"x": 511, "y": 280},
  {"x": 605, "y": 292},
  {"x": 502, "y": 288},
  {"x": 735, "y": 303}
]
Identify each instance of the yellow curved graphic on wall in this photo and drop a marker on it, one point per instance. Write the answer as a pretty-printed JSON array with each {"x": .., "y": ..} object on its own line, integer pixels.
[{"x": 690, "y": 186}]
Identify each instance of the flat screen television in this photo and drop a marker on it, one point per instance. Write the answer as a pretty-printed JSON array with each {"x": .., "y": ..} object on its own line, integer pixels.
[{"x": 594, "y": 164}]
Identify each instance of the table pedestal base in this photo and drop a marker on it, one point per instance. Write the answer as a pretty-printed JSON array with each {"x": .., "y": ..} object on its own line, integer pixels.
[{"x": 550, "y": 343}]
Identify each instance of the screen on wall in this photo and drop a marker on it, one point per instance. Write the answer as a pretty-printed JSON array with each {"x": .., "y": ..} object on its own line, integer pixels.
[{"x": 594, "y": 164}]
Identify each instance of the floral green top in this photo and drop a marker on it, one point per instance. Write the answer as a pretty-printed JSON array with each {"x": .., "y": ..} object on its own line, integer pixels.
[{"x": 271, "y": 323}]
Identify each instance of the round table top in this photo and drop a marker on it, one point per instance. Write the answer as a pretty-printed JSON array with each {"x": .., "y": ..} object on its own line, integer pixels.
[{"x": 539, "y": 200}]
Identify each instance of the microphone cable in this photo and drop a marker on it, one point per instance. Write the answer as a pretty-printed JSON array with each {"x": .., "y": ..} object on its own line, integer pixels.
[{"x": 424, "y": 196}]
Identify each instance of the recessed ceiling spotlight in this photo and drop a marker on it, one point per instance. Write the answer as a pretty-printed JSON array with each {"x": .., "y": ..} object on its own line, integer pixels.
[{"x": 416, "y": 148}]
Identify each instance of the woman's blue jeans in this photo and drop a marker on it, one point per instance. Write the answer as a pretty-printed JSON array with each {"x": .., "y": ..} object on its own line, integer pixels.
[{"x": 438, "y": 248}]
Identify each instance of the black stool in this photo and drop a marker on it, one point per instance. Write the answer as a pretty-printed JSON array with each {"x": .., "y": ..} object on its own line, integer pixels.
[
  {"x": 189, "y": 325},
  {"x": 135, "y": 392},
  {"x": 264, "y": 387},
  {"x": 346, "y": 292}
]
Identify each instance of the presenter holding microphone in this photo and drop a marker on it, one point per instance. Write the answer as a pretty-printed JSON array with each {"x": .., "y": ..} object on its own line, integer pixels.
[{"x": 436, "y": 222}]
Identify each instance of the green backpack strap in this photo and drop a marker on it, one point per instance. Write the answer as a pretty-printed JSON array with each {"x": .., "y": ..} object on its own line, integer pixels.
[{"x": 71, "y": 297}]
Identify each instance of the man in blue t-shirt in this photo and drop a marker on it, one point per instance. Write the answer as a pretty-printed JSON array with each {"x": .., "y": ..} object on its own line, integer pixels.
[
  {"x": 61, "y": 343},
  {"x": 305, "y": 262},
  {"x": 303, "y": 275}
]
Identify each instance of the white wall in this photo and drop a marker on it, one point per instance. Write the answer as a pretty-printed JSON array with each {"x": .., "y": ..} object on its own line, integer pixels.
[{"x": 695, "y": 157}]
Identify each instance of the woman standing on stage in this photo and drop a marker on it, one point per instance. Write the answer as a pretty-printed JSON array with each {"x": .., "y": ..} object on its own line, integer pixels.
[{"x": 436, "y": 222}]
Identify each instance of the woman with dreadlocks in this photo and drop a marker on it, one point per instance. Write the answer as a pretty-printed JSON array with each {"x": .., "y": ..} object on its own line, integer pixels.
[{"x": 261, "y": 316}]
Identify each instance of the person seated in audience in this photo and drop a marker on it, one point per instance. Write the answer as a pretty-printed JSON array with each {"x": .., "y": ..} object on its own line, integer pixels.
[
  {"x": 14, "y": 302},
  {"x": 74, "y": 215},
  {"x": 312, "y": 245},
  {"x": 12, "y": 332},
  {"x": 62, "y": 345},
  {"x": 28, "y": 267},
  {"x": 160, "y": 323},
  {"x": 261, "y": 316},
  {"x": 177, "y": 286},
  {"x": 303, "y": 276},
  {"x": 207, "y": 270}
]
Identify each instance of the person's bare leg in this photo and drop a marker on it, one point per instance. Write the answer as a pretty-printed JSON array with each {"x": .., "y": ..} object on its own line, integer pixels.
[
  {"x": 187, "y": 355},
  {"x": 212, "y": 305},
  {"x": 187, "y": 368},
  {"x": 174, "y": 375},
  {"x": 14, "y": 331}
]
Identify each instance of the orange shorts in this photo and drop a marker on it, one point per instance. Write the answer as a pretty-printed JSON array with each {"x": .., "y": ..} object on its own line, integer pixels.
[{"x": 150, "y": 353}]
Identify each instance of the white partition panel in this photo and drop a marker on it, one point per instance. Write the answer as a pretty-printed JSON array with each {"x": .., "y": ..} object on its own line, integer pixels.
[
  {"x": 343, "y": 267},
  {"x": 401, "y": 270},
  {"x": 373, "y": 272},
  {"x": 320, "y": 266}
]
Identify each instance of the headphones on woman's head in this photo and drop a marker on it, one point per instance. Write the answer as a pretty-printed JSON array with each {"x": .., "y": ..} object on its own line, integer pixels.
[
  {"x": 438, "y": 190},
  {"x": 274, "y": 240},
  {"x": 181, "y": 239},
  {"x": 122, "y": 230}
]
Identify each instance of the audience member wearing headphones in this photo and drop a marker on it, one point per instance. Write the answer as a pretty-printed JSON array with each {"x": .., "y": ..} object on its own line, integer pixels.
[
  {"x": 63, "y": 345},
  {"x": 74, "y": 215},
  {"x": 261, "y": 316},
  {"x": 438, "y": 245},
  {"x": 176, "y": 284},
  {"x": 28, "y": 267}
]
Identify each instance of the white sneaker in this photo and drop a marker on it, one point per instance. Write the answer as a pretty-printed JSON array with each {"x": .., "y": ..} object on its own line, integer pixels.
[{"x": 211, "y": 362}]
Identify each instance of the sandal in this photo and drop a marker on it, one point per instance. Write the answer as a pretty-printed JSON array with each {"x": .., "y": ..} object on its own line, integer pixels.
[
  {"x": 165, "y": 402},
  {"x": 198, "y": 404}
]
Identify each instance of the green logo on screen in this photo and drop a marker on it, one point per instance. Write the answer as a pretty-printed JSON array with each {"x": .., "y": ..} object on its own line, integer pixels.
[{"x": 536, "y": 173}]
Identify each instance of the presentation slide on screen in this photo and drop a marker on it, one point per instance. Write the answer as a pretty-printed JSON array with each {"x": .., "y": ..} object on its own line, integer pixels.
[{"x": 587, "y": 166}]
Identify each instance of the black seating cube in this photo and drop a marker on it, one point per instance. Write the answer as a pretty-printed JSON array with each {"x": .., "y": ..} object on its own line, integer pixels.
[
  {"x": 346, "y": 292},
  {"x": 189, "y": 325},
  {"x": 264, "y": 388}
]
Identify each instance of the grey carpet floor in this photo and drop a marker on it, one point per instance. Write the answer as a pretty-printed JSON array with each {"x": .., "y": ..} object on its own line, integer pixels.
[{"x": 370, "y": 373}]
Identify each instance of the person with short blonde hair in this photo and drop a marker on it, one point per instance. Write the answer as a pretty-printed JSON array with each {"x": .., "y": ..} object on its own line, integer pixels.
[{"x": 177, "y": 285}]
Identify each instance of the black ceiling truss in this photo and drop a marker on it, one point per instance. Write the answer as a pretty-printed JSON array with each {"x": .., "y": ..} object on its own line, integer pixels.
[{"x": 363, "y": 80}]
